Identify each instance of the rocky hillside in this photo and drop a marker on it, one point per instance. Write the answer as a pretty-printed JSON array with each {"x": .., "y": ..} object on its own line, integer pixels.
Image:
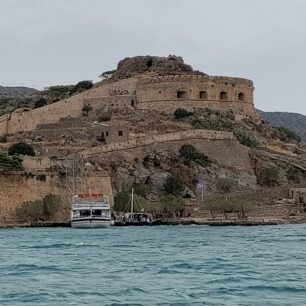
[
  {"x": 132, "y": 66},
  {"x": 293, "y": 121},
  {"x": 16, "y": 92}
]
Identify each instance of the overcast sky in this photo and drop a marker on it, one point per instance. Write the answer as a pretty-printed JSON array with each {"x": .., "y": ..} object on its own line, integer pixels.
[{"x": 49, "y": 42}]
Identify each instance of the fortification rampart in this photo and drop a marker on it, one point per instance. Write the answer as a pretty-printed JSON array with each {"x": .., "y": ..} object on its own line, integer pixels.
[
  {"x": 192, "y": 134},
  {"x": 32, "y": 189},
  {"x": 170, "y": 92},
  {"x": 160, "y": 93},
  {"x": 221, "y": 147}
]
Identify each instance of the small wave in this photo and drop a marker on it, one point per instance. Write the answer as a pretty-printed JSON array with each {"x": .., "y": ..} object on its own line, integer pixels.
[
  {"x": 62, "y": 245},
  {"x": 283, "y": 289},
  {"x": 183, "y": 265}
]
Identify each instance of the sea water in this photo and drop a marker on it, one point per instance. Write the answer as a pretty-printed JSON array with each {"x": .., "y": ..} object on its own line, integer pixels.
[{"x": 163, "y": 265}]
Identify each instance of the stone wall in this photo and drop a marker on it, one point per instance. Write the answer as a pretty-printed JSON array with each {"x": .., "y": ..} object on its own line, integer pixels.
[
  {"x": 219, "y": 146},
  {"x": 16, "y": 189},
  {"x": 160, "y": 93},
  {"x": 170, "y": 92}
]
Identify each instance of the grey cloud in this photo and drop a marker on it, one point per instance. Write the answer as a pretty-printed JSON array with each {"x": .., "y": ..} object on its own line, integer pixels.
[{"x": 63, "y": 41}]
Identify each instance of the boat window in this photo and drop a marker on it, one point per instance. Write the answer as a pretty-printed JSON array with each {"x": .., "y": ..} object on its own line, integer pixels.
[
  {"x": 85, "y": 213},
  {"x": 97, "y": 212}
]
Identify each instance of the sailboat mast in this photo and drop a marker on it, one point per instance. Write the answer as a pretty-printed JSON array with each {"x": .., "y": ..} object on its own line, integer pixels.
[{"x": 132, "y": 202}]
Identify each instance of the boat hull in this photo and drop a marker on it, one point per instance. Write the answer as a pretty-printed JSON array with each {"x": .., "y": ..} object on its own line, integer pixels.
[{"x": 90, "y": 223}]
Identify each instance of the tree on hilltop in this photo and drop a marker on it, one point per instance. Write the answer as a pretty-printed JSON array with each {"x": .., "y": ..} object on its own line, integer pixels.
[{"x": 40, "y": 103}]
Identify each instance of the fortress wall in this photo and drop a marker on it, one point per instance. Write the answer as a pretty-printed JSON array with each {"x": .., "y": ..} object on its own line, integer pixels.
[
  {"x": 122, "y": 87},
  {"x": 197, "y": 134},
  {"x": 20, "y": 121},
  {"x": 31, "y": 189},
  {"x": 164, "y": 89},
  {"x": 111, "y": 102},
  {"x": 69, "y": 133},
  {"x": 28, "y": 120},
  {"x": 221, "y": 147},
  {"x": 171, "y": 106}
]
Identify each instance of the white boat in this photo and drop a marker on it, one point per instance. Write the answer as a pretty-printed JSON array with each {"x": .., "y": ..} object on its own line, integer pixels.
[{"x": 90, "y": 210}]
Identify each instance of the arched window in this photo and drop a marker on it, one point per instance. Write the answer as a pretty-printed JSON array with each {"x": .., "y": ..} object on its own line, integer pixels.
[
  {"x": 203, "y": 95},
  {"x": 132, "y": 103},
  {"x": 180, "y": 94},
  {"x": 241, "y": 96},
  {"x": 223, "y": 95}
]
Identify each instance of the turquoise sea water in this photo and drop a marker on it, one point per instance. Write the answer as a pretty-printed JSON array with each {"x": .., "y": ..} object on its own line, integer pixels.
[{"x": 179, "y": 265}]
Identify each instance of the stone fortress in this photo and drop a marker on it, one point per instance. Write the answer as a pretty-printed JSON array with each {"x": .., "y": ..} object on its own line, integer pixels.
[
  {"x": 141, "y": 141},
  {"x": 141, "y": 83}
]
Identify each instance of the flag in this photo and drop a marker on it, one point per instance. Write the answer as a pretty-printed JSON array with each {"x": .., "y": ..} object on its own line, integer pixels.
[{"x": 200, "y": 185}]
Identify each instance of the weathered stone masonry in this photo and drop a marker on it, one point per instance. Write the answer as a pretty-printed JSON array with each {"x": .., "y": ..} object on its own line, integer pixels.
[{"x": 145, "y": 92}]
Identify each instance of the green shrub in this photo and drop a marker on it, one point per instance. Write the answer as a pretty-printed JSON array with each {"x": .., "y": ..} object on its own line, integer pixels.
[
  {"x": 105, "y": 117},
  {"x": 181, "y": 113},
  {"x": 171, "y": 204},
  {"x": 21, "y": 148},
  {"x": 45, "y": 209},
  {"x": 86, "y": 109},
  {"x": 189, "y": 153},
  {"x": 245, "y": 139},
  {"x": 174, "y": 185},
  {"x": 213, "y": 124},
  {"x": 8, "y": 163},
  {"x": 285, "y": 134},
  {"x": 268, "y": 177}
]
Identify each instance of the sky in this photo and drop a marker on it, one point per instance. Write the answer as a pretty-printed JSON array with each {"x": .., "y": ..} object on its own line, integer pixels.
[{"x": 53, "y": 42}]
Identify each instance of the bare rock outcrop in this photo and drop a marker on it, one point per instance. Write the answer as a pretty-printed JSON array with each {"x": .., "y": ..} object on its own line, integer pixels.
[{"x": 132, "y": 66}]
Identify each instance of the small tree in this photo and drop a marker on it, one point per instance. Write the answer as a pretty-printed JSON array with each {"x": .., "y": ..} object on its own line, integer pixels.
[
  {"x": 214, "y": 206},
  {"x": 174, "y": 185},
  {"x": 142, "y": 189},
  {"x": 21, "y": 148},
  {"x": 81, "y": 86},
  {"x": 51, "y": 205},
  {"x": 86, "y": 109},
  {"x": 121, "y": 201},
  {"x": 40, "y": 103},
  {"x": 225, "y": 185}
]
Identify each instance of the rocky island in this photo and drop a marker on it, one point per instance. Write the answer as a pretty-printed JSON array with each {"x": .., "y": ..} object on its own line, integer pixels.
[{"x": 191, "y": 145}]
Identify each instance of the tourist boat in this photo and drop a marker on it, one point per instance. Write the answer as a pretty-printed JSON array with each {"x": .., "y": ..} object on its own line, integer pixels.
[
  {"x": 133, "y": 218},
  {"x": 90, "y": 210}
]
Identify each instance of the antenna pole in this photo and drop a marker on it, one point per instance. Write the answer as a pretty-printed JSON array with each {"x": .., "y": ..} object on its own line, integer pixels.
[{"x": 132, "y": 202}]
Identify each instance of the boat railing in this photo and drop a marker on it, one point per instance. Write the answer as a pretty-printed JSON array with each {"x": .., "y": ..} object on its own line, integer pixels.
[{"x": 91, "y": 205}]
